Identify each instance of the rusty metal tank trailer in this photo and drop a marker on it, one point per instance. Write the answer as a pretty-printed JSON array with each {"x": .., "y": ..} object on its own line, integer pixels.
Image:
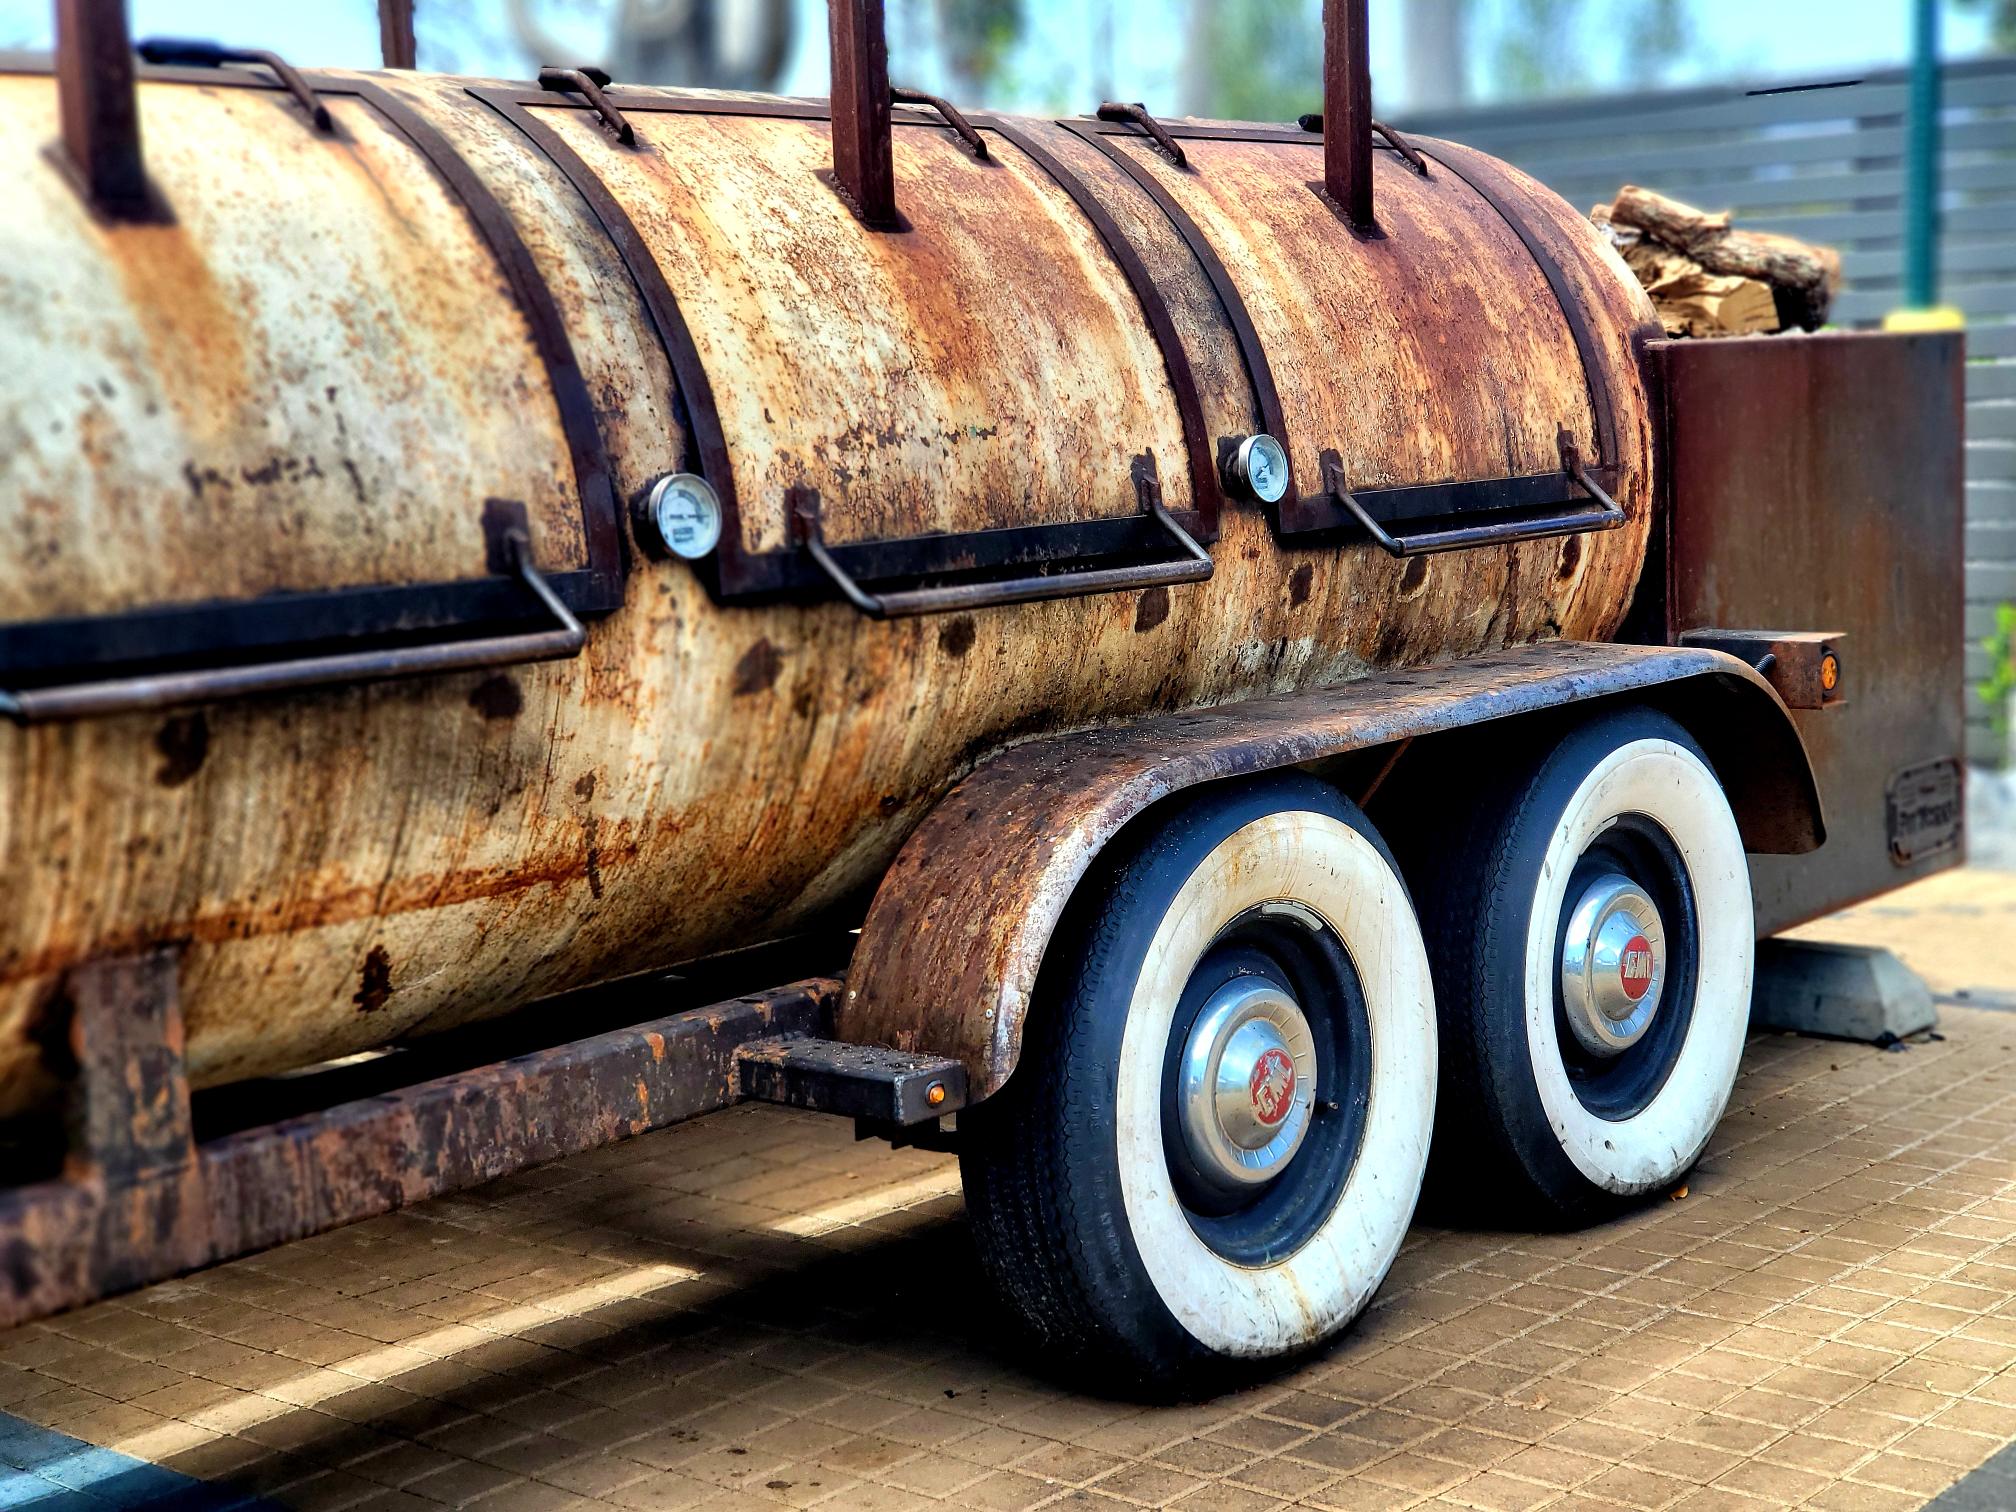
[{"x": 675, "y": 553}]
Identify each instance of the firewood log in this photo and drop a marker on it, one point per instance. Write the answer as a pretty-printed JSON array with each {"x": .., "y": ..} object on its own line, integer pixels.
[{"x": 1802, "y": 277}]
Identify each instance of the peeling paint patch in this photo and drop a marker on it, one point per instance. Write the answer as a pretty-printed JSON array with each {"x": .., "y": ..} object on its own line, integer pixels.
[
  {"x": 1152, "y": 610},
  {"x": 184, "y": 743},
  {"x": 759, "y": 669},
  {"x": 374, "y": 985}
]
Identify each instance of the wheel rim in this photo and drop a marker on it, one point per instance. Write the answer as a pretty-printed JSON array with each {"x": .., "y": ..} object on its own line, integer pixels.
[
  {"x": 1613, "y": 965},
  {"x": 1259, "y": 1152},
  {"x": 1627, "y": 957},
  {"x": 1247, "y": 1083}
]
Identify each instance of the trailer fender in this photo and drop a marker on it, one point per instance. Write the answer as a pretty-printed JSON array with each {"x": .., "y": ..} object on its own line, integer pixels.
[{"x": 949, "y": 953}]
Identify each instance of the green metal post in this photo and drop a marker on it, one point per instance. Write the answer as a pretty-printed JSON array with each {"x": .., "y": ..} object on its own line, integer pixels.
[{"x": 1921, "y": 202}]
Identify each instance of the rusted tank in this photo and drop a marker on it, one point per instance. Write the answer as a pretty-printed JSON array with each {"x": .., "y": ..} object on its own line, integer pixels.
[{"x": 322, "y": 392}]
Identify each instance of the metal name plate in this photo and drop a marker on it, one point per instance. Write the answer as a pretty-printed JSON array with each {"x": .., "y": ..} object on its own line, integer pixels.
[{"x": 1927, "y": 810}]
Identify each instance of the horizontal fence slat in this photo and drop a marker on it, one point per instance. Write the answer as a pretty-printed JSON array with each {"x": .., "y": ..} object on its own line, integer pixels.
[
  {"x": 1992, "y": 422},
  {"x": 1991, "y": 380},
  {"x": 1711, "y": 154},
  {"x": 1992, "y": 460},
  {"x": 1879, "y": 92}
]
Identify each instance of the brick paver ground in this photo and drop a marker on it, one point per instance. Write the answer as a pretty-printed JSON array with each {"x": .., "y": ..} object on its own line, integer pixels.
[{"x": 754, "y": 1311}]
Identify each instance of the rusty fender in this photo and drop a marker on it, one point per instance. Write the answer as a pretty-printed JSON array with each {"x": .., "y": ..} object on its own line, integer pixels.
[{"x": 948, "y": 957}]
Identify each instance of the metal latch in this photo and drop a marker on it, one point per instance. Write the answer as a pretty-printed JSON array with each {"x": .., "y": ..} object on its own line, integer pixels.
[{"x": 188, "y": 53}]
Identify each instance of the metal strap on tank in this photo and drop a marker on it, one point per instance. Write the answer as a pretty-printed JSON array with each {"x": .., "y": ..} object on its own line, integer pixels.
[
  {"x": 1254, "y": 352},
  {"x": 1491, "y": 184},
  {"x": 689, "y": 373},
  {"x": 601, "y": 534},
  {"x": 1337, "y": 504},
  {"x": 1206, "y": 489},
  {"x": 772, "y": 571}
]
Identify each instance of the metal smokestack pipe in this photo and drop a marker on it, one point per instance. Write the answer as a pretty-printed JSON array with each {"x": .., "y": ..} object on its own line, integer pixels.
[
  {"x": 1347, "y": 110},
  {"x": 864, "y": 168},
  {"x": 100, "y": 108},
  {"x": 396, "y": 40}
]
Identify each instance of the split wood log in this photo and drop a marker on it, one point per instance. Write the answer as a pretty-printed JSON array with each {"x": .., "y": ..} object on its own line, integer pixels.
[{"x": 1803, "y": 278}]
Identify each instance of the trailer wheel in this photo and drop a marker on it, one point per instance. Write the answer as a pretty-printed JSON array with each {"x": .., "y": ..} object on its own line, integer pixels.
[
  {"x": 1593, "y": 941},
  {"x": 1217, "y": 1132}
]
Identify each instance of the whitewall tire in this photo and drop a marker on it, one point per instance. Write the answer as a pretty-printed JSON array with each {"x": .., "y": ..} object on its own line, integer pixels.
[
  {"x": 1594, "y": 940},
  {"x": 1215, "y": 1140}
]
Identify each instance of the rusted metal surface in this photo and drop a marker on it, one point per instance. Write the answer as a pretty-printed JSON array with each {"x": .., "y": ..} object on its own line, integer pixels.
[
  {"x": 139, "y": 1200},
  {"x": 864, "y": 160},
  {"x": 1817, "y": 483},
  {"x": 1804, "y": 667},
  {"x": 949, "y": 953},
  {"x": 100, "y": 112},
  {"x": 1515, "y": 355},
  {"x": 329, "y": 358},
  {"x": 351, "y": 867},
  {"x": 1347, "y": 111},
  {"x": 883, "y": 1087}
]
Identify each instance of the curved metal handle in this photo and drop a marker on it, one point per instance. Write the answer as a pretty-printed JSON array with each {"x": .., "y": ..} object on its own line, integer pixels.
[
  {"x": 191, "y": 53},
  {"x": 172, "y": 690},
  {"x": 1608, "y": 515},
  {"x": 1195, "y": 566},
  {"x": 952, "y": 114},
  {"x": 588, "y": 83},
  {"x": 1138, "y": 114}
]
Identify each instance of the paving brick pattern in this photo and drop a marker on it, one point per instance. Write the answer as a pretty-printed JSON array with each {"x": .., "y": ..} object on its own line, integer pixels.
[{"x": 755, "y": 1311}]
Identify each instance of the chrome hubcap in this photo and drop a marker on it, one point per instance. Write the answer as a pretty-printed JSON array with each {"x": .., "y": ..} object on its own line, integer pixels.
[
  {"x": 1248, "y": 1083},
  {"x": 1613, "y": 966}
]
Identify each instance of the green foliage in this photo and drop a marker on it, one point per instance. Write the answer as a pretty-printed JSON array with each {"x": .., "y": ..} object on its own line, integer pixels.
[
  {"x": 2001, "y": 22},
  {"x": 1540, "y": 48},
  {"x": 1266, "y": 59},
  {"x": 979, "y": 37},
  {"x": 1994, "y": 690}
]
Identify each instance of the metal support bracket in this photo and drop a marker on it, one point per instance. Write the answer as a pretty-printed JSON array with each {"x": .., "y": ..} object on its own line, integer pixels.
[
  {"x": 1803, "y": 665},
  {"x": 884, "y": 1088},
  {"x": 1193, "y": 566}
]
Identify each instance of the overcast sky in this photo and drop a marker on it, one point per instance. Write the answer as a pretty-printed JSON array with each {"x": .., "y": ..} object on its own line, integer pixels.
[{"x": 1803, "y": 38}]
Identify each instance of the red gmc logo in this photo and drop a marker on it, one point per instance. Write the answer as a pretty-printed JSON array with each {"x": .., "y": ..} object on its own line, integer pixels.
[
  {"x": 1636, "y": 971},
  {"x": 1273, "y": 1087}
]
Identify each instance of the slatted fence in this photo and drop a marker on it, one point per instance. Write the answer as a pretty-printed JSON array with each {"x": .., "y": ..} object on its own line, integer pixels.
[{"x": 1827, "y": 164}]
